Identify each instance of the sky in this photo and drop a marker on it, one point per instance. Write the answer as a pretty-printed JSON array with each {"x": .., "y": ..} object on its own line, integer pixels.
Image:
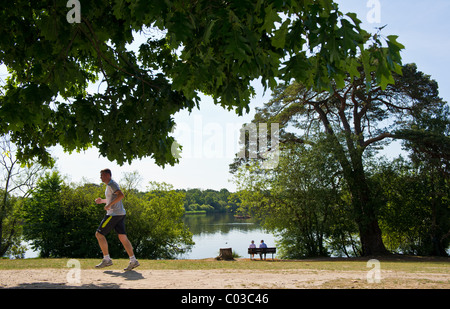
[{"x": 210, "y": 136}]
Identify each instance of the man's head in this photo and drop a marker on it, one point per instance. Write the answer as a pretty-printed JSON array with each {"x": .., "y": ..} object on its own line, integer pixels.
[{"x": 105, "y": 175}]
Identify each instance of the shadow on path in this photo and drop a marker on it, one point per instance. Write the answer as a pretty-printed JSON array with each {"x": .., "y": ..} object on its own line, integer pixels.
[
  {"x": 51, "y": 285},
  {"x": 127, "y": 275}
]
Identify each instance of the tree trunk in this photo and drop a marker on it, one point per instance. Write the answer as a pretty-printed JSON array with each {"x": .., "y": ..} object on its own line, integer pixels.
[
  {"x": 371, "y": 240},
  {"x": 363, "y": 203},
  {"x": 225, "y": 254},
  {"x": 364, "y": 206}
]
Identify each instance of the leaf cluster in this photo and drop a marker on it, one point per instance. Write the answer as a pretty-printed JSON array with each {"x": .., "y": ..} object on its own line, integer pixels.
[
  {"x": 60, "y": 220},
  {"x": 213, "y": 47}
]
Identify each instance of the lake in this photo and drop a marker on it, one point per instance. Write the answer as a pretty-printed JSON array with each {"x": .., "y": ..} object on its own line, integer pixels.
[
  {"x": 222, "y": 230},
  {"x": 217, "y": 230}
]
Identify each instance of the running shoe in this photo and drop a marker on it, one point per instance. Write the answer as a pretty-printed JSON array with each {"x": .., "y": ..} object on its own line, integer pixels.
[
  {"x": 131, "y": 265},
  {"x": 104, "y": 263}
]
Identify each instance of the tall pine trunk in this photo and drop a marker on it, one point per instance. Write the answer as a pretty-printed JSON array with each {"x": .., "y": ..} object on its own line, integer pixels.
[
  {"x": 367, "y": 221},
  {"x": 365, "y": 212},
  {"x": 363, "y": 201}
]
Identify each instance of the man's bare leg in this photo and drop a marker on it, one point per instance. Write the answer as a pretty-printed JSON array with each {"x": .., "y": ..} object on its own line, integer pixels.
[
  {"x": 129, "y": 248},
  {"x": 126, "y": 244},
  {"x": 102, "y": 243},
  {"x": 106, "y": 261}
]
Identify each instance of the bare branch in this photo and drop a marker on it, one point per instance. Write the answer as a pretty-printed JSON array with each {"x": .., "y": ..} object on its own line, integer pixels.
[{"x": 377, "y": 139}]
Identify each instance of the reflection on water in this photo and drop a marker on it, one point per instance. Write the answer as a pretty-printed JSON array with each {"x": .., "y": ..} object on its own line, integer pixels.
[
  {"x": 218, "y": 230},
  {"x": 215, "y": 231}
]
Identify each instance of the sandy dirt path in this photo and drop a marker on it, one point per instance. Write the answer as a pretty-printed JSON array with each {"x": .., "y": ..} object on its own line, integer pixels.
[{"x": 215, "y": 279}]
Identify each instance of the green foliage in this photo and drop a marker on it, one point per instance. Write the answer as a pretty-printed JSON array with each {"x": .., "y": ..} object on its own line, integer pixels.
[
  {"x": 11, "y": 229},
  {"x": 416, "y": 217},
  {"x": 428, "y": 138},
  {"x": 301, "y": 200},
  {"x": 155, "y": 223},
  {"x": 16, "y": 183},
  {"x": 355, "y": 120},
  {"x": 210, "y": 46},
  {"x": 200, "y": 208},
  {"x": 209, "y": 200},
  {"x": 61, "y": 220},
  {"x": 420, "y": 189}
]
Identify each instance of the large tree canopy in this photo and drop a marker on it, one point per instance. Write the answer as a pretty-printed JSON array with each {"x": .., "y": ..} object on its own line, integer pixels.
[
  {"x": 355, "y": 121},
  {"x": 211, "y": 46}
]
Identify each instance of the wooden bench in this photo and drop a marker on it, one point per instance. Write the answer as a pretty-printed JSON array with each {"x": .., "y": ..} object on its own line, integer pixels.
[{"x": 261, "y": 251}]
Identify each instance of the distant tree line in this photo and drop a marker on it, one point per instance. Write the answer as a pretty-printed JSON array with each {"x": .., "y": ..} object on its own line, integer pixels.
[{"x": 209, "y": 200}]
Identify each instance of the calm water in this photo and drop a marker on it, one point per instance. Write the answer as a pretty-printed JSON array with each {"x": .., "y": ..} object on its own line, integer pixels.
[{"x": 215, "y": 231}]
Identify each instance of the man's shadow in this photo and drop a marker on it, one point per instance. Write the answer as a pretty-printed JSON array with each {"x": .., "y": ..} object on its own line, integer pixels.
[{"x": 128, "y": 275}]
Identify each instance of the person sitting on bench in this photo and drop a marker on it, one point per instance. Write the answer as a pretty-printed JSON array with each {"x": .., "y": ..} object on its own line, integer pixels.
[
  {"x": 252, "y": 245},
  {"x": 262, "y": 245}
]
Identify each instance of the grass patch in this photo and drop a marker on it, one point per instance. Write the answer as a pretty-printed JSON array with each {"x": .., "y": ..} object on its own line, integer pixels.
[{"x": 410, "y": 265}]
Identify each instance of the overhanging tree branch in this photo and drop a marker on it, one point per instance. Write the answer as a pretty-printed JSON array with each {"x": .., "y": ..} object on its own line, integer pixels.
[{"x": 377, "y": 139}]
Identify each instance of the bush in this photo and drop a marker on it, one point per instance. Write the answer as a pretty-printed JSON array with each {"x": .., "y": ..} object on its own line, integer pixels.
[{"x": 61, "y": 221}]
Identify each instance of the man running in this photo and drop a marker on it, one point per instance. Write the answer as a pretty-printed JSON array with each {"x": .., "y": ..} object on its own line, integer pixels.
[{"x": 114, "y": 219}]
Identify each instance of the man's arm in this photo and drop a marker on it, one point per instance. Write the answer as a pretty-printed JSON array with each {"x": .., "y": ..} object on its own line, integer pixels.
[
  {"x": 119, "y": 197},
  {"x": 100, "y": 200}
]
